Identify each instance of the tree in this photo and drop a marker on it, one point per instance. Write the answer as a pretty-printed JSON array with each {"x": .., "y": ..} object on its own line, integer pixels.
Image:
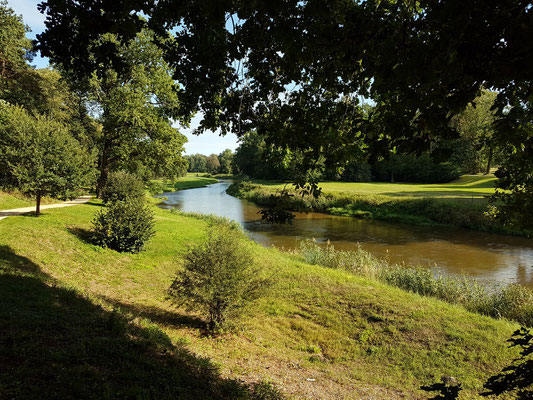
[
  {"x": 297, "y": 71},
  {"x": 39, "y": 157},
  {"x": 219, "y": 278},
  {"x": 15, "y": 49},
  {"x": 197, "y": 163},
  {"x": 475, "y": 149},
  {"x": 212, "y": 164},
  {"x": 226, "y": 161}
]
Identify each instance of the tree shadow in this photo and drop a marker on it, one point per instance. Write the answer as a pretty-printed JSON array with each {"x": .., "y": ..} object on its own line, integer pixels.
[
  {"x": 85, "y": 235},
  {"x": 158, "y": 315},
  {"x": 54, "y": 343}
]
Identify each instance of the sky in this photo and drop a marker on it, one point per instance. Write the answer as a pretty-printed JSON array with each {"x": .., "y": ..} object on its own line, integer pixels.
[{"x": 207, "y": 143}]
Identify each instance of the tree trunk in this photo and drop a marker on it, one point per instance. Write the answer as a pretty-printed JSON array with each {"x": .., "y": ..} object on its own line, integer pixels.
[
  {"x": 392, "y": 177},
  {"x": 489, "y": 161},
  {"x": 38, "y": 207}
]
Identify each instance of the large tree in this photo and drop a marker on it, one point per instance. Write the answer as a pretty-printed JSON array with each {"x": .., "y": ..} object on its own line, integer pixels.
[
  {"x": 135, "y": 109},
  {"x": 296, "y": 71}
]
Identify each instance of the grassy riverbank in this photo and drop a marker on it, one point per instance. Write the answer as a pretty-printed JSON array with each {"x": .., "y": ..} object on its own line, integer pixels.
[
  {"x": 80, "y": 321},
  {"x": 190, "y": 181},
  {"x": 461, "y": 203}
]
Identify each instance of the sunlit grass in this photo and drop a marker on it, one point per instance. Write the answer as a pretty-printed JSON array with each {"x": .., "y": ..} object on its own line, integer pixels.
[{"x": 354, "y": 336}]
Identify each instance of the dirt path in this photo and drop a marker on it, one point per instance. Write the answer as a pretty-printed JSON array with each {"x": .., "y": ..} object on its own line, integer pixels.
[{"x": 25, "y": 210}]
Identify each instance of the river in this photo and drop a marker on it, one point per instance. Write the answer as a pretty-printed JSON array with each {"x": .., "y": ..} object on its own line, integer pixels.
[{"x": 488, "y": 257}]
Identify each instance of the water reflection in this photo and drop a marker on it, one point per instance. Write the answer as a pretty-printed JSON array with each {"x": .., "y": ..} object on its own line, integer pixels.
[{"x": 495, "y": 258}]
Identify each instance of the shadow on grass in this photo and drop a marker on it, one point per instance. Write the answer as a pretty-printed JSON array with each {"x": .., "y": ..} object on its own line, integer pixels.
[
  {"x": 85, "y": 235},
  {"x": 56, "y": 344},
  {"x": 158, "y": 315}
]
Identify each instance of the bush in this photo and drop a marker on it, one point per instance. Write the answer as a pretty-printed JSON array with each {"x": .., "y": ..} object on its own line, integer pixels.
[
  {"x": 124, "y": 225},
  {"x": 219, "y": 278},
  {"x": 122, "y": 186}
]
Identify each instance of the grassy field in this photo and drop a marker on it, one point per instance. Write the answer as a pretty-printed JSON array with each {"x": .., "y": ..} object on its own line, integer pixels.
[
  {"x": 79, "y": 321},
  {"x": 190, "y": 181},
  {"x": 468, "y": 186},
  {"x": 462, "y": 203}
]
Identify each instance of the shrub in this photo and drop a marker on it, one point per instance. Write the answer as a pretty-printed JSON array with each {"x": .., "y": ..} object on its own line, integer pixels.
[
  {"x": 124, "y": 225},
  {"x": 122, "y": 186},
  {"x": 219, "y": 278}
]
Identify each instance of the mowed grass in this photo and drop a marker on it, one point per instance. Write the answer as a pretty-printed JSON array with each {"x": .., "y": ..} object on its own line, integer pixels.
[
  {"x": 190, "y": 181},
  {"x": 10, "y": 200},
  {"x": 317, "y": 334},
  {"x": 467, "y": 186}
]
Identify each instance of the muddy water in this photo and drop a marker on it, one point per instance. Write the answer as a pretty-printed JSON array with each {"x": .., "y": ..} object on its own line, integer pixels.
[{"x": 487, "y": 257}]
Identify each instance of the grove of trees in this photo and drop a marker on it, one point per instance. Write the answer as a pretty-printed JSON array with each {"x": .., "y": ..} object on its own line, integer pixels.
[{"x": 59, "y": 132}]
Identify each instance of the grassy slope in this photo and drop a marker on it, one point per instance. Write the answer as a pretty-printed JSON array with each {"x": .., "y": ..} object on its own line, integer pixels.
[{"x": 357, "y": 338}]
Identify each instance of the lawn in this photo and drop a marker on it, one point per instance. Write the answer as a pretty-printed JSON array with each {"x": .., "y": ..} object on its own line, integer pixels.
[
  {"x": 77, "y": 320},
  {"x": 10, "y": 200},
  {"x": 189, "y": 181},
  {"x": 467, "y": 186}
]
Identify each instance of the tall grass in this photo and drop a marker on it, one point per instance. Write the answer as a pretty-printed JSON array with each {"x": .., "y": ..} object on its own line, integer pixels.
[{"x": 513, "y": 302}]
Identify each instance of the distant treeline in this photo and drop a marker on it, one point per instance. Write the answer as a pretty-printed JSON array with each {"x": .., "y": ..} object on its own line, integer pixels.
[{"x": 471, "y": 151}]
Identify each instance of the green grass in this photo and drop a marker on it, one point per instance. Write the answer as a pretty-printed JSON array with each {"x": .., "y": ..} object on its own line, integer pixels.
[
  {"x": 353, "y": 336},
  {"x": 190, "y": 181},
  {"x": 10, "y": 200},
  {"x": 467, "y": 186}
]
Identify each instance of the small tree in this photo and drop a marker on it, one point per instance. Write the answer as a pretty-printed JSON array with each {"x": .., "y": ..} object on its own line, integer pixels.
[
  {"x": 122, "y": 186},
  {"x": 124, "y": 225},
  {"x": 219, "y": 278},
  {"x": 39, "y": 157}
]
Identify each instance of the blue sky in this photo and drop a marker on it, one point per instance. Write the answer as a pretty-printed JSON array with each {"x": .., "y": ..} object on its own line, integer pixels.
[{"x": 207, "y": 143}]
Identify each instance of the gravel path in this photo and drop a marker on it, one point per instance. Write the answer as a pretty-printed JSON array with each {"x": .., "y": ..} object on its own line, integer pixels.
[{"x": 25, "y": 210}]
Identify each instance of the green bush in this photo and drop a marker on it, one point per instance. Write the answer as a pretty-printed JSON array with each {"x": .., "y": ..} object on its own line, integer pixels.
[
  {"x": 124, "y": 225},
  {"x": 122, "y": 186},
  {"x": 219, "y": 278}
]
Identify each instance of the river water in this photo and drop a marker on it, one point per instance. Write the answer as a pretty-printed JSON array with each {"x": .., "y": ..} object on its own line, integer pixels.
[{"x": 490, "y": 257}]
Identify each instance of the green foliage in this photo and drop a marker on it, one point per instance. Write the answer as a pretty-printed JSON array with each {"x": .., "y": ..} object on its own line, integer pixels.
[
  {"x": 212, "y": 165},
  {"x": 15, "y": 49},
  {"x": 137, "y": 109},
  {"x": 122, "y": 186},
  {"x": 357, "y": 172},
  {"x": 197, "y": 163},
  {"x": 39, "y": 157},
  {"x": 226, "y": 161},
  {"x": 408, "y": 168},
  {"x": 219, "y": 278},
  {"x": 125, "y": 225},
  {"x": 513, "y": 302},
  {"x": 476, "y": 150}
]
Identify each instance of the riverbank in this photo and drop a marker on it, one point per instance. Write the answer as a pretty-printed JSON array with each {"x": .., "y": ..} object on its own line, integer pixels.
[
  {"x": 190, "y": 181},
  {"x": 83, "y": 321},
  {"x": 454, "y": 205}
]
